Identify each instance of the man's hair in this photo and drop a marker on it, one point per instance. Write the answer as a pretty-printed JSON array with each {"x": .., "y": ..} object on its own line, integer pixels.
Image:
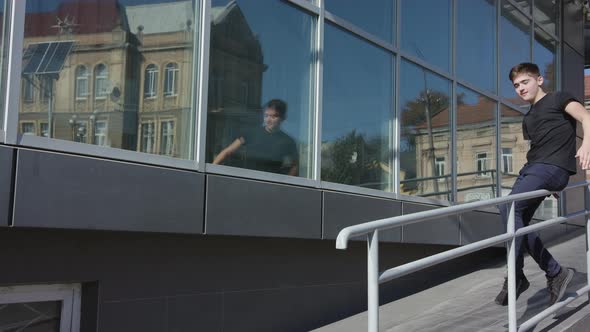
[
  {"x": 279, "y": 106},
  {"x": 524, "y": 68}
]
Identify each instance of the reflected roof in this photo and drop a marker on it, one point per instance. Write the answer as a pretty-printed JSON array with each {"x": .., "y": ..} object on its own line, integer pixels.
[{"x": 161, "y": 17}]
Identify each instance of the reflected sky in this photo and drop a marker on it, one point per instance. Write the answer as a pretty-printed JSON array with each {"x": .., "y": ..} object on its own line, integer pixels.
[
  {"x": 376, "y": 17},
  {"x": 514, "y": 47}
]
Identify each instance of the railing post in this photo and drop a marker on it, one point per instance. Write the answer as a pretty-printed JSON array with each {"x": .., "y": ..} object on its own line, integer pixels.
[
  {"x": 511, "y": 272},
  {"x": 373, "y": 280}
]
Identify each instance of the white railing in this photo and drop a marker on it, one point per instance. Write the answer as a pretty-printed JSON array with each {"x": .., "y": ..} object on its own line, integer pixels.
[{"x": 372, "y": 228}]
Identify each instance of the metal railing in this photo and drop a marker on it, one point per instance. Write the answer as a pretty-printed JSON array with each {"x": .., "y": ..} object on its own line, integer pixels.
[{"x": 371, "y": 229}]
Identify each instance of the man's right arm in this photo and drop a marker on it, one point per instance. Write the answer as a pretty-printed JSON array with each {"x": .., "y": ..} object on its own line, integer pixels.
[{"x": 228, "y": 151}]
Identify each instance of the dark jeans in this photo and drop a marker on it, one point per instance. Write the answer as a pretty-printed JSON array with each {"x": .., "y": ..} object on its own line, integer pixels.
[{"x": 534, "y": 177}]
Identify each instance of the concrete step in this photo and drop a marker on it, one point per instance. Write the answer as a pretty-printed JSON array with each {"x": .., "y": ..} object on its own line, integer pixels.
[{"x": 467, "y": 303}]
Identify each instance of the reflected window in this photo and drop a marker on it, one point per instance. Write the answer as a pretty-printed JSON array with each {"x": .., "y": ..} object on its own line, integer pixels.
[
  {"x": 440, "y": 168},
  {"x": 546, "y": 15},
  {"x": 148, "y": 137},
  {"x": 28, "y": 89},
  {"x": 44, "y": 126},
  {"x": 425, "y": 104},
  {"x": 101, "y": 78},
  {"x": 171, "y": 80},
  {"x": 167, "y": 137},
  {"x": 476, "y": 146},
  {"x": 103, "y": 60},
  {"x": 515, "y": 47},
  {"x": 428, "y": 39},
  {"x": 100, "y": 133},
  {"x": 507, "y": 164},
  {"x": 150, "y": 88},
  {"x": 81, "y": 82},
  {"x": 376, "y": 17},
  {"x": 260, "y": 98},
  {"x": 357, "y": 112},
  {"x": 476, "y": 42},
  {"x": 28, "y": 128}
]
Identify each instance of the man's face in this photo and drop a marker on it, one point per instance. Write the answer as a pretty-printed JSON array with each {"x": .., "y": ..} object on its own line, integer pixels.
[
  {"x": 272, "y": 119},
  {"x": 527, "y": 86}
]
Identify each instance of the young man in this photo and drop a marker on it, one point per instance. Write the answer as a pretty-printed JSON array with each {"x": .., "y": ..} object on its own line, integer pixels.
[
  {"x": 268, "y": 148},
  {"x": 550, "y": 125}
]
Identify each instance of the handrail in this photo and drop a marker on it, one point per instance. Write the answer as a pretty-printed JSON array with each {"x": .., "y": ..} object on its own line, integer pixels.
[{"x": 372, "y": 228}]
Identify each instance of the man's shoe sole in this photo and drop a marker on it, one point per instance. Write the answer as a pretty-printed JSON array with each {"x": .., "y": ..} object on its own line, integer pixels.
[
  {"x": 523, "y": 287},
  {"x": 568, "y": 279}
]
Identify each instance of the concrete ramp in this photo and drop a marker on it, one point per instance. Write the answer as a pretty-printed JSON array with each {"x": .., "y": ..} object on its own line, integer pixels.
[{"x": 467, "y": 303}]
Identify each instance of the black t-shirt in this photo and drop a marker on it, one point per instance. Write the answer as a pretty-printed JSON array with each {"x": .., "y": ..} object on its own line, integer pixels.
[
  {"x": 552, "y": 132},
  {"x": 274, "y": 152}
]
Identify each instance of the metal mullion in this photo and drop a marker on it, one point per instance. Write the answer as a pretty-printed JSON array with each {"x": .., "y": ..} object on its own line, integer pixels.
[
  {"x": 453, "y": 119},
  {"x": 306, "y": 5},
  {"x": 319, "y": 84},
  {"x": 498, "y": 107},
  {"x": 540, "y": 27},
  {"x": 13, "y": 75},
  {"x": 347, "y": 26},
  {"x": 478, "y": 90},
  {"x": 397, "y": 125},
  {"x": 426, "y": 65},
  {"x": 508, "y": 103},
  {"x": 202, "y": 84}
]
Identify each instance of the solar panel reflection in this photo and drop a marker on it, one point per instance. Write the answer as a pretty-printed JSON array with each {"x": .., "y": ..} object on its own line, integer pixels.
[{"x": 46, "y": 58}]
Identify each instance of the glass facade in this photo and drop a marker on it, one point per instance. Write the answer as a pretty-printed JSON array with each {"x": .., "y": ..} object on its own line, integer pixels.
[
  {"x": 397, "y": 96},
  {"x": 259, "y": 110},
  {"x": 97, "y": 78},
  {"x": 3, "y": 50}
]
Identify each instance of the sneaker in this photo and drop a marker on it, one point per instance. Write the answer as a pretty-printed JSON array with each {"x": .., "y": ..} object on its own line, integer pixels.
[
  {"x": 558, "y": 284},
  {"x": 522, "y": 284}
]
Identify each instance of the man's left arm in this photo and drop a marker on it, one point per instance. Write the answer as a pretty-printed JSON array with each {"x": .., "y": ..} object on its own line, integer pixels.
[{"x": 578, "y": 112}]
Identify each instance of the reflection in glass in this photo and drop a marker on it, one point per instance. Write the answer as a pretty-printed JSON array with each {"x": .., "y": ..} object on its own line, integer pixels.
[
  {"x": 428, "y": 39},
  {"x": 357, "y": 112},
  {"x": 544, "y": 50},
  {"x": 515, "y": 47},
  {"x": 3, "y": 40},
  {"x": 476, "y": 42},
  {"x": 376, "y": 17},
  {"x": 31, "y": 316},
  {"x": 260, "y": 51},
  {"x": 546, "y": 13},
  {"x": 96, "y": 79},
  {"x": 424, "y": 152},
  {"x": 476, "y": 146}
]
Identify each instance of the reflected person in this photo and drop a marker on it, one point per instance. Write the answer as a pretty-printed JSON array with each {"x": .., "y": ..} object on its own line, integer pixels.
[{"x": 267, "y": 148}]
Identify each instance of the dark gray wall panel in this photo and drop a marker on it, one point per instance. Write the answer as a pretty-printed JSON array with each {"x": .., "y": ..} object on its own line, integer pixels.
[
  {"x": 438, "y": 231},
  {"x": 477, "y": 226},
  {"x": 137, "y": 315},
  {"x": 573, "y": 25},
  {"x": 245, "y": 207},
  {"x": 573, "y": 72},
  {"x": 341, "y": 210},
  {"x": 60, "y": 191},
  {"x": 6, "y": 167},
  {"x": 203, "y": 312}
]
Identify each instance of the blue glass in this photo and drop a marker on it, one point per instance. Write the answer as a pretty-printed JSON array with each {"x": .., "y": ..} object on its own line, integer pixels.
[
  {"x": 424, "y": 151},
  {"x": 515, "y": 47},
  {"x": 544, "y": 49},
  {"x": 357, "y": 112},
  {"x": 476, "y": 43},
  {"x": 260, "y": 51},
  {"x": 476, "y": 146},
  {"x": 428, "y": 39},
  {"x": 376, "y": 17}
]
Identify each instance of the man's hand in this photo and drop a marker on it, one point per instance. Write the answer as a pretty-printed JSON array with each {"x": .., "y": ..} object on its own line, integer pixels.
[{"x": 584, "y": 155}]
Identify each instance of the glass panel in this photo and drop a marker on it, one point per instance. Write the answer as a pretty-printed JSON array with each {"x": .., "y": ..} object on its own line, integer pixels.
[
  {"x": 260, "y": 51},
  {"x": 357, "y": 113},
  {"x": 31, "y": 316},
  {"x": 376, "y": 17},
  {"x": 425, "y": 161},
  {"x": 525, "y": 5},
  {"x": 476, "y": 42},
  {"x": 546, "y": 13},
  {"x": 428, "y": 39},
  {"x": 544, "y": 56},
  {"x": 515, "y": 47},
  {"x": 476, "y": 146},
  {"x": 84, "y": 73},
  {"x": 3, "y": 39}
]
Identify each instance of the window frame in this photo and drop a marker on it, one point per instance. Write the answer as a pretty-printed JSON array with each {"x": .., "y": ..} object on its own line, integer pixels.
[
  {"x": 79, "y": 78},
  {"x": 485, "y": 172},
  {"x": 104, "y": 77},
  {"x": 152, "y": 76},
  {"x": 171, "y": 89},
  {"x": 160, "y": 136}
]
